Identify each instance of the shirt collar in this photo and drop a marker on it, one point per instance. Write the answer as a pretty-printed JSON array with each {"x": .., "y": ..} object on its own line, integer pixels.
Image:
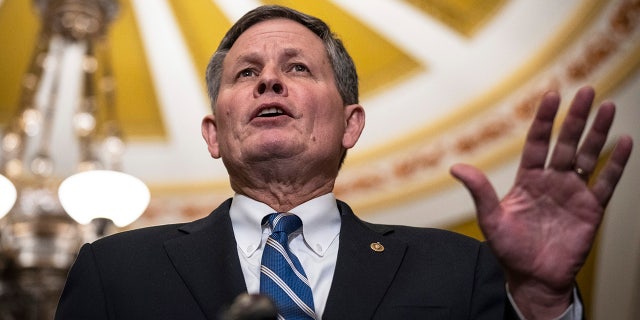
[{"x": 321, "y": 213}]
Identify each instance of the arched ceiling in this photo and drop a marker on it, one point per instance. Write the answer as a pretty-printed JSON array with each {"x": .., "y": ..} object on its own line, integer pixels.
[{"x": 441, "y": 82}]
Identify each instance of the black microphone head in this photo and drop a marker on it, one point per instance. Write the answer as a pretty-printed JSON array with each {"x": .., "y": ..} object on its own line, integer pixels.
[{"x": 251, "y": 307}]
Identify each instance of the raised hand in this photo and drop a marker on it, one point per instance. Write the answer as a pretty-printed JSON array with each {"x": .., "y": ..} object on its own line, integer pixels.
[{"x": 543, "y": 229}]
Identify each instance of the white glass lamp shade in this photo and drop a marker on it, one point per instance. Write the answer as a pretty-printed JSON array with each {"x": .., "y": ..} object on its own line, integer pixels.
[
  {"x": 114, "y": 195},
  {"x": 8, "y": 195}
]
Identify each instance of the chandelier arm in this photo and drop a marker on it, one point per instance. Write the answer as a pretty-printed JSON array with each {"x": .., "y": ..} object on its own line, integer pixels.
[{"x": 14, "y": 138}]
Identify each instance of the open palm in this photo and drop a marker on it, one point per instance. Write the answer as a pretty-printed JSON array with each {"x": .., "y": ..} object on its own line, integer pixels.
[{"x": 543, "y": 229}]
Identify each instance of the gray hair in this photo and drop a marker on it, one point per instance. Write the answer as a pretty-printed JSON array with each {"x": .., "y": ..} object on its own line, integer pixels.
[{"x": 343, "y": 67}]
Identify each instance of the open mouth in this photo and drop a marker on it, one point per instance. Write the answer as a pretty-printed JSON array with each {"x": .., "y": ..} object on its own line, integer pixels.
[{"x": 271, "y": 112}]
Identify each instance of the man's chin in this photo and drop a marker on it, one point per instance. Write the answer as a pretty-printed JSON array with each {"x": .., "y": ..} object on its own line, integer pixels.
[{"x": 274, "y": 150}]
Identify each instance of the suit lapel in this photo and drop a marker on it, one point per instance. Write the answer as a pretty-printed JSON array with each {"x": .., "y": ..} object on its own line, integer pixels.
[
  {"x": 362, "y": 274},
  {"x": 207, "y": 260}
]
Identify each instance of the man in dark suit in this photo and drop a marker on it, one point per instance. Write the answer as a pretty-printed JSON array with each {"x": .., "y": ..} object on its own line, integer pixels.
[{"x": 284, "y": 94}]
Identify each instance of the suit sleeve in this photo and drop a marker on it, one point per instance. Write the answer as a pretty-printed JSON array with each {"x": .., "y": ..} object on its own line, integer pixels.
[
  {"x": 83, "y": 296},
  {"x": 489, "y": 300}
]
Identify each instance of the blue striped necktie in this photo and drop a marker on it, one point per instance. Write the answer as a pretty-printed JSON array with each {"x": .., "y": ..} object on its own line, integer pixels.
[{"x": 281, "y": 275}]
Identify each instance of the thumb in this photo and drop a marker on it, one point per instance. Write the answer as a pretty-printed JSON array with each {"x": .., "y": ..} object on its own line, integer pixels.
[{"x": 484, "y": 195}]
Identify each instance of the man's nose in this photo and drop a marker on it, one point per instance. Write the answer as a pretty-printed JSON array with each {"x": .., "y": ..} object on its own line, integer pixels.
[{"x": 270, "y": 82}]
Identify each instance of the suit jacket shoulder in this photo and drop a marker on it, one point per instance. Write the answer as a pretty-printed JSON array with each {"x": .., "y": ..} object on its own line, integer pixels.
[{"x": 180, "y": 271}]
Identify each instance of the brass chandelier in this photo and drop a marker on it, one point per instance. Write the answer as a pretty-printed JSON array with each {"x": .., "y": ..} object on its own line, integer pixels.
[{"x": 52, "y": 207}]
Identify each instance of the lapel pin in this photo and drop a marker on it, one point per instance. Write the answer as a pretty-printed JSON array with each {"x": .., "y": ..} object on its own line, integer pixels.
[{"x": 377, "y": 247}]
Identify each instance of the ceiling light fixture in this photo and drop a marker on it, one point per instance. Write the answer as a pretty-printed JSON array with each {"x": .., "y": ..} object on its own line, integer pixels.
[{"x": 53, "y": 206}]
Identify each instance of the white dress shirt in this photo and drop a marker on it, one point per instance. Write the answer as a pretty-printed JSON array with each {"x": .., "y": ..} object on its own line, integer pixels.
[{"x": 315, "y": 247}]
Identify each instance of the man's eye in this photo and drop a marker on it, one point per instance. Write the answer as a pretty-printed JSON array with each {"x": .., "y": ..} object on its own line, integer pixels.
[
  {"x": 300, "y": 68},
  {"x": 246, "y": 73}
]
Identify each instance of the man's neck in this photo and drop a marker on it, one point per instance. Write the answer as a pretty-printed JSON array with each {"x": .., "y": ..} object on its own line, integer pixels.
[
  {"x": 283, "y": 183},
  {"x": 283, "y": 196}
]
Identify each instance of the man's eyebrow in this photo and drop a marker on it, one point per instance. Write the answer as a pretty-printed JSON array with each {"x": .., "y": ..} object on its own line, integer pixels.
[
  {"x": 292, "y": 52},
  {"x": 251, "y": 57},
  {"x": 255, "y": 58}
]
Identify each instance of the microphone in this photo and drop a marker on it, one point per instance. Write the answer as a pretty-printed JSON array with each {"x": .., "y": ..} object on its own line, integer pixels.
[{"x": 251, "y": 307}]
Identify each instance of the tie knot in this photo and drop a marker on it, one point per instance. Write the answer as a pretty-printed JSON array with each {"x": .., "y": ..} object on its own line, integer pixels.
[{"x": 284, "y": 222}]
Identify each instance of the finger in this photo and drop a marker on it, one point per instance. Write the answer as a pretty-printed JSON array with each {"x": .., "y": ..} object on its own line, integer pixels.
[
  {"x": 571, "y": 131},
  {"x": 587, "y": 156},
  {"x": 484, "y": 195},
  {"x": 536, "y": 147},
  {"x": 607, "y": 179}
]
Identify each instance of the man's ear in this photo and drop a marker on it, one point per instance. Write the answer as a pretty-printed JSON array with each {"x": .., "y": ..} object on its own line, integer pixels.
[
  {"x": 209, "y": 133},
  {"x": 354, "y": 124}
]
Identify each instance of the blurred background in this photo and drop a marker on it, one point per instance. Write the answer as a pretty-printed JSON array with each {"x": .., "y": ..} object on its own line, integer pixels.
[{"x": 118, "y": 86}]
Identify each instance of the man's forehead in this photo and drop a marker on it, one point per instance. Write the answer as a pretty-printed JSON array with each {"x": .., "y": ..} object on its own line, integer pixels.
[
  {"x": 289, "y": 37},
  {"x": 288, "y": 52}
]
